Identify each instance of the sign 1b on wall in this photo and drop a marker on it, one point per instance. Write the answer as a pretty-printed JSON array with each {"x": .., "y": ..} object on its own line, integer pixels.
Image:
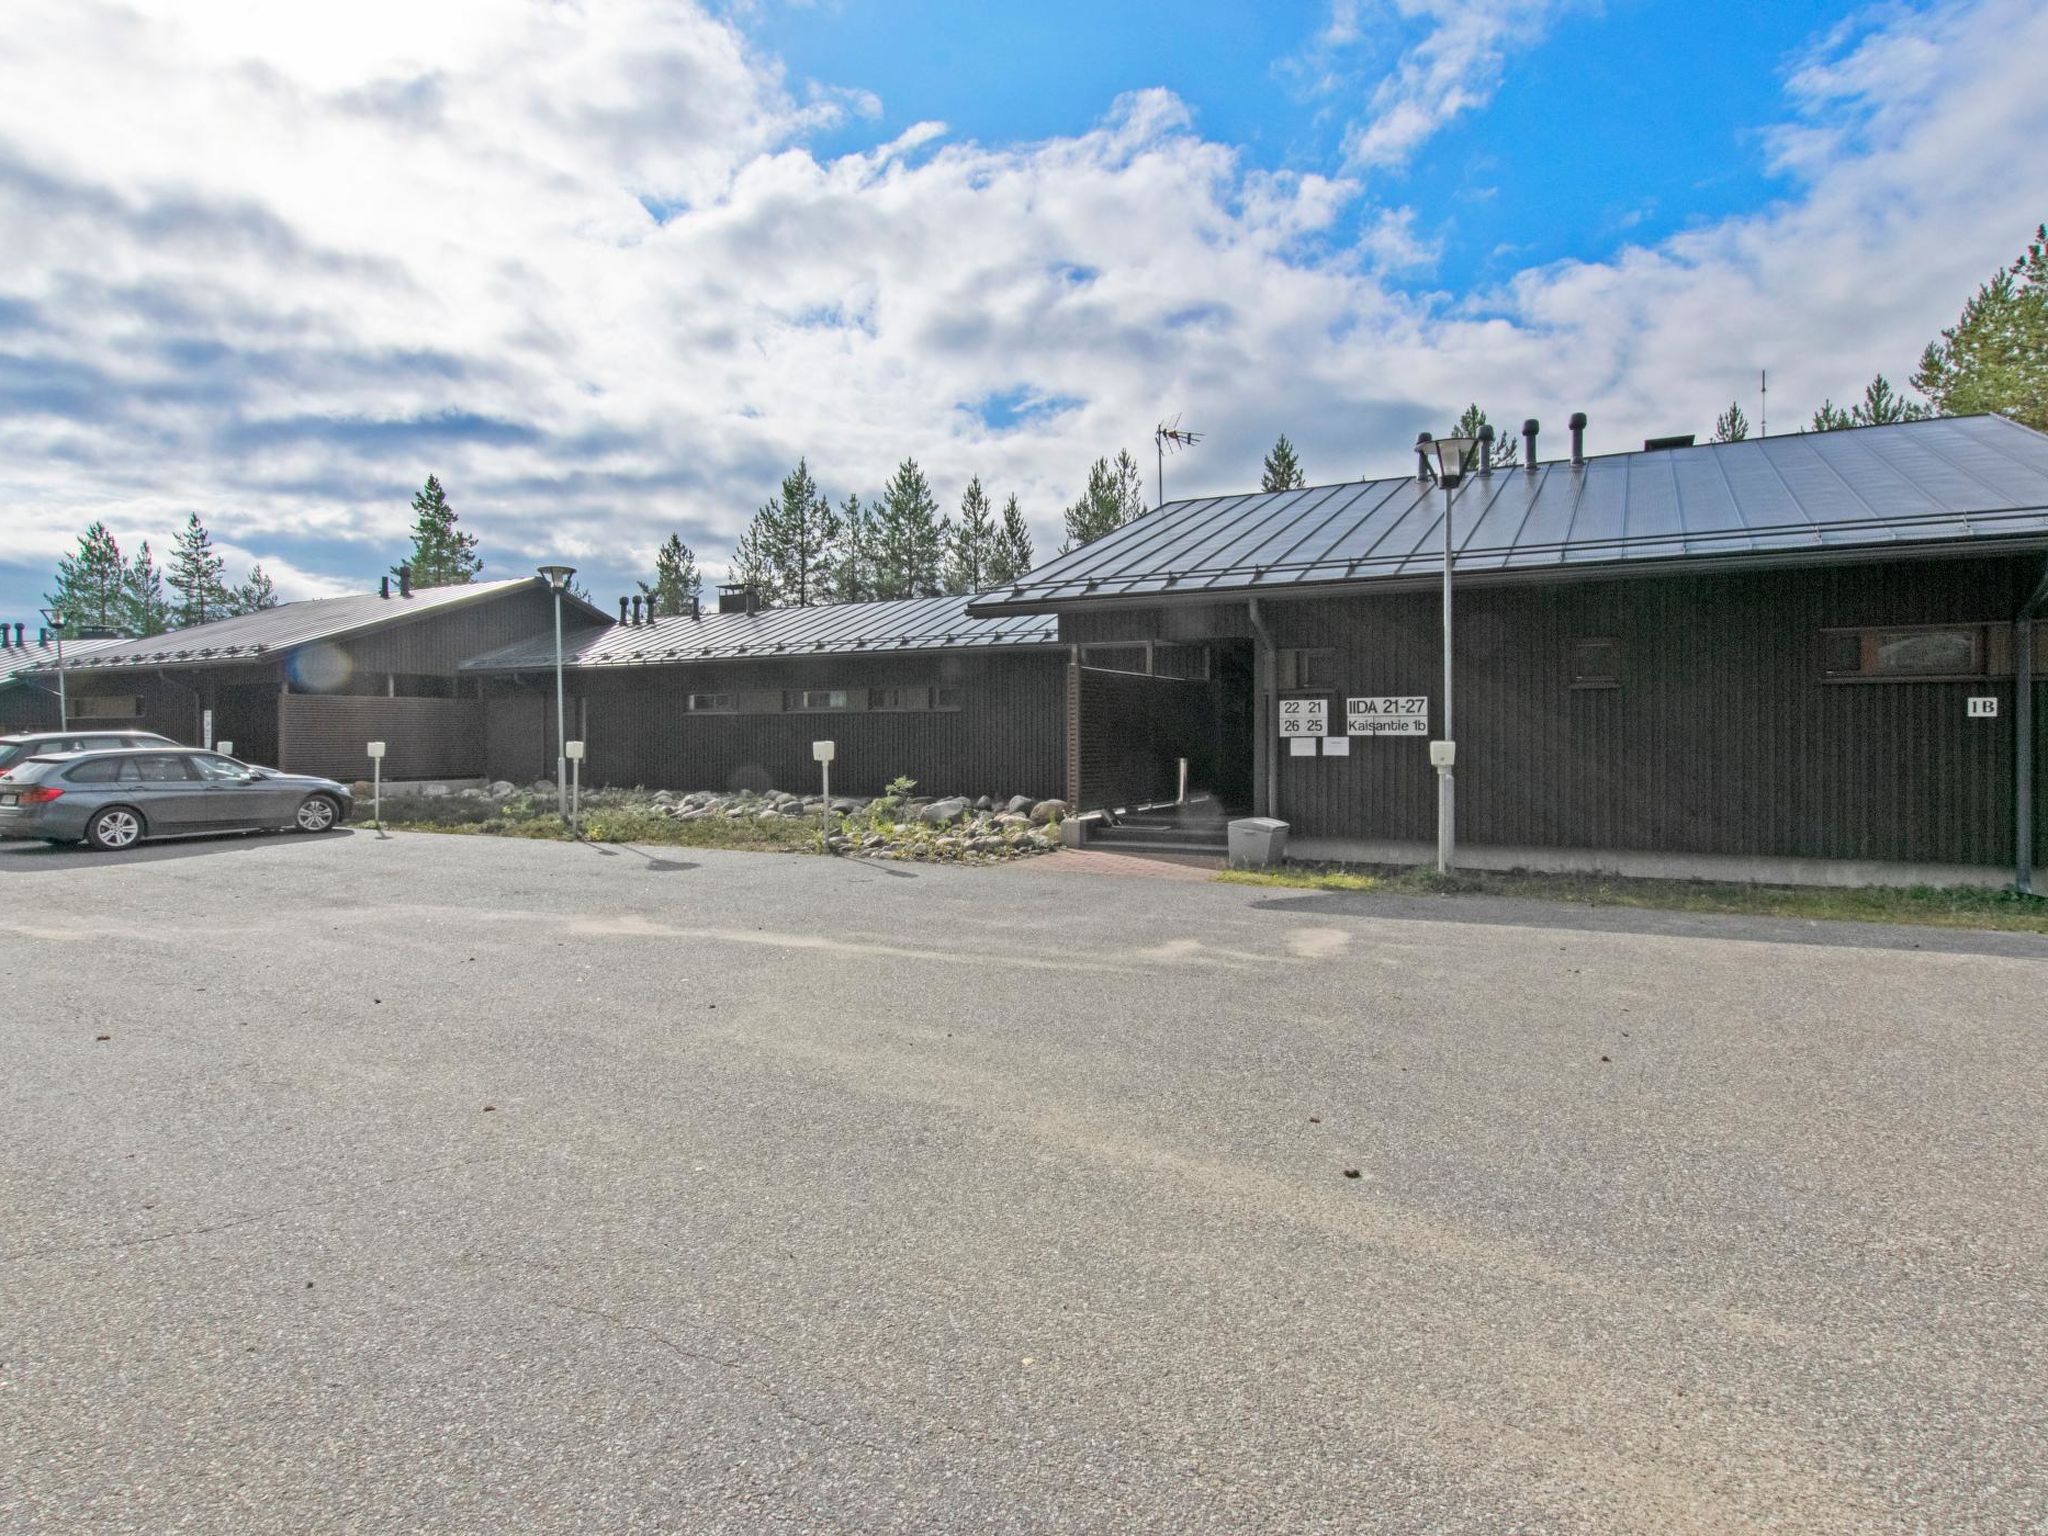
[{"x": 1387, "y": 717}]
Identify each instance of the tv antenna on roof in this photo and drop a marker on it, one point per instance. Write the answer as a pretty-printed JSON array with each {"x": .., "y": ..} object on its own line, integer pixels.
[{"x": 1169, "y": 434}]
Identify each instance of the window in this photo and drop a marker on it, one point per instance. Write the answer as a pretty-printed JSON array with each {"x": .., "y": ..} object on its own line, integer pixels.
[
  {"x": 896, "y": 699},
  {"x": 1596, "y": 663},
  {"x": 212, "y": 766},
  {"x": 106, "y": 706},
  {"x": 814, "y": 698},
  {"x": 949, "y": 697},
  {"x": 159, "y": 768},
  {"x": 1901, "y": 654},
  {"x": 98, "y": 770},
  {"x": 1114, "y": 658},
  {"x": 718, "y": 703},
  {"x": 1307, "y": 667}
]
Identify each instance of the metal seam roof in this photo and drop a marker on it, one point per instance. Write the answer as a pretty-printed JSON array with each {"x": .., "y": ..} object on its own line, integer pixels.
[
  {"x": 1937, "y": 483},
  {"x": 904, "y": 625}
]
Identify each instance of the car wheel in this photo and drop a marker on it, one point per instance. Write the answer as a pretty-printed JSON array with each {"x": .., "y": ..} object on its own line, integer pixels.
[
  {"x": 317, "y": 813},
  {"x": 114, "y": 828}
]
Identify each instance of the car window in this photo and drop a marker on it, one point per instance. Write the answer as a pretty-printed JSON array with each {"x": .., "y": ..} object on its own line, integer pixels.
[
  {"x": 213, "y": 766},
  {"x": 161, "y": 768},
  {"x": 95, "y": 770}
]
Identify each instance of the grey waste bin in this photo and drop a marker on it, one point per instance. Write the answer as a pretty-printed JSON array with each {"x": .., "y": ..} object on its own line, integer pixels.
[{"x": 1257, "y": 842}]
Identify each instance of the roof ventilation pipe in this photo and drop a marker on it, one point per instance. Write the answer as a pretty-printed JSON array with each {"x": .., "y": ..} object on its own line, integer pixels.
[
  {"x": 650, "y": 607},
  {"x": 636, "y": 610},
  {"x": 17, "y": 636},
  {"x": 696, "y": 605},
  {"x": 384, "y": 587},
  {"x": 405, "y": 581},
  {"x": 1422, "y": 442},
  {"x": 753, "y": 600},
  {"x": 1578, "y": 426},
  {"x": 1529, "y": 430},
  {"x": 1485, "y": 449}
]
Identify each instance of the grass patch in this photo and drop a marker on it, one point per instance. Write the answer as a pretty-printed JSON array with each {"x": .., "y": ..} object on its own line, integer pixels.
[
  {"x": 1930, "y": 906},
  {"x": 602, "y": 823}
]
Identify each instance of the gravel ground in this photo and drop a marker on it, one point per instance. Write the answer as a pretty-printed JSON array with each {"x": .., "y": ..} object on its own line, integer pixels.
[{"x": 454, "y": 1184}]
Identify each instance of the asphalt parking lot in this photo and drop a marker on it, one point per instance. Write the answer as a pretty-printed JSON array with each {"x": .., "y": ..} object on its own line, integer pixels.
[{"x": 458, "y": 1184}]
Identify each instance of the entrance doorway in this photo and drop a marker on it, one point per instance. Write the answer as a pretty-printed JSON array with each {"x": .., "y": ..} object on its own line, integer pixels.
[{"x": 1236, "y": 677}]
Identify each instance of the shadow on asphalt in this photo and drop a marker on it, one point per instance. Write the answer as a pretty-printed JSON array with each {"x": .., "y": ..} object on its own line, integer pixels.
[
  {"x": 41, "y": 858},
  {"x": 1641, "y": 920}
]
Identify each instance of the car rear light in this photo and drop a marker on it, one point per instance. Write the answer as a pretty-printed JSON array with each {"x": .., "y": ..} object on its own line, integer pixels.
[{"x": 42, "y": 794}]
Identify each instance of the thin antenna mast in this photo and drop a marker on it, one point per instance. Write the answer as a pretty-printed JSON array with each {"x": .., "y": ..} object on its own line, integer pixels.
[
  {"x": 1763, "y": 414},
  {"x": 1168, "y": 434}
]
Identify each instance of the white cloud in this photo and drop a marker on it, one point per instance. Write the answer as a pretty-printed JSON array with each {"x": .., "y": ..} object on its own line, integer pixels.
[{"x": 277, "y": 263}]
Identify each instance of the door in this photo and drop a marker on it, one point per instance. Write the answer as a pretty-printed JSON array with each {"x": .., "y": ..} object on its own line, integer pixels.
[
  {"x": 236, "y": 798},
  {"x": 167, "y": 790}
]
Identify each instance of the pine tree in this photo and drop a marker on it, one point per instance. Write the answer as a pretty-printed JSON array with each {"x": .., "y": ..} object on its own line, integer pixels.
[
  {"x": 442, "y": 554},
  {"x": 1995, "y": 357},
  {"x": 1506, "y": 450},
  {"x": 1011, "y": 556},
  {"x": 677, "y": 581},
  {"x": 909, "y": 537},
  {"x": 194, "y": 576},
  {"x": 1282, "y": 468},
  {"x": 1115, "y": 496},
  {"x": 146, "y": 611},
  {"x": 971, "y": 549},
  {"x": 257, "y": 593},
  {"x": 853, "y": 574},
  {"x": 90, "y": 588},
  {"x": 786, "y": 551},
  {"x": 1881, "y": 406},
  {"x": 1731, "y": 426}
]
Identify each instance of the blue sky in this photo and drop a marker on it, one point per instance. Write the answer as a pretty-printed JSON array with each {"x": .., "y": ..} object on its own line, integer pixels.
[{"x": 609, "y": 269}]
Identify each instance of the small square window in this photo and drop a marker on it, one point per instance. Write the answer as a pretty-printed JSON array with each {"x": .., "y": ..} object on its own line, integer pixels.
[
  {"x": 1596, "y": 663},
  {"x": 1842, "y": 653},
  {"x": 1308, "y": 667},
  {"x": 948, "y": 697}
]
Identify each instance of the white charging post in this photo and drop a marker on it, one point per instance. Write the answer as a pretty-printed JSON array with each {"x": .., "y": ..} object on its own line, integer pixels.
[
  {"x": 822, "y": 753},
  {"x": 377, "y": 784},
  {"x": 573, "y": 750}
]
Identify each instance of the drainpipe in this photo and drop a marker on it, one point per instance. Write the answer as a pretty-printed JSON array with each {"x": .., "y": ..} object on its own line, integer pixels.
[
  {"x": 1262, "y": 715},
  {"x": 2023, "y": 736}
]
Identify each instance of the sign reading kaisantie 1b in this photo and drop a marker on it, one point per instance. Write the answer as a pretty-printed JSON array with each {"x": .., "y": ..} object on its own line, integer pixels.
[{"x": 1387, "y": 717}]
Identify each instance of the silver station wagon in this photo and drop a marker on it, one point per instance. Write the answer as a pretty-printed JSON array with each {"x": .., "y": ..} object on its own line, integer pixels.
[{"x": 116, "y": 799}]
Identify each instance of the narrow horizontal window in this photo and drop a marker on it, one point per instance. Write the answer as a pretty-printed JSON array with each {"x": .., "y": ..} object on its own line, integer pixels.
[
  {"x": 948, "y": 697},
  {"x": 1596, "y": 663},
  {"x": 712, "y": 703},
  {"x": 898, "y": 699},
  {"x": 1923, "y": 652},
  {"x": 814, "y": 698},
  {"x": 106, "y": 706}
]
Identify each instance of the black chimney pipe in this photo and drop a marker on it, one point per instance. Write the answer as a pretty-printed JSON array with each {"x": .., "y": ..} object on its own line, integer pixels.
[
  {"x": 753, "y": 599},
  {"x": 696, "y": 605},
  {"x": 650, "y": 607},
  {"x": 1485, "y": 448},
  {"x": 1529, "y": 430},
  {"x": 622, "y": 610},
  {"x": 1578, "y": 426},
  {"x": 405, "y": 581},
  {"x": 636, "y": 610},
  {"x": 384, "y": 587},
  {"x": 1422, "y": 442}
]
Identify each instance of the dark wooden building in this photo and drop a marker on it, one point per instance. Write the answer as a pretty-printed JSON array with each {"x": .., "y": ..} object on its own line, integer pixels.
[
  {"x": 304, "y": 686},
  {"x": 1790, "y": 658},
  {"x": 733, "y": 700}
]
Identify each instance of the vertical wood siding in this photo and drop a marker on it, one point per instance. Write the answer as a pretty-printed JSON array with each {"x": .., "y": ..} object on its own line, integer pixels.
[
  {"x": 1007, "y": 737},
  {"x": 439, "y": 642},
  {"x": 1722, "y": 738},
  {"x": 1133, "y": 732},
  {"x": 424, "y": 738}
]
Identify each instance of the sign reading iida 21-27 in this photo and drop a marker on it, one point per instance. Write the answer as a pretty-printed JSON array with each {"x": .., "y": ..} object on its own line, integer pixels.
[{"x": 1387, "y": 717}]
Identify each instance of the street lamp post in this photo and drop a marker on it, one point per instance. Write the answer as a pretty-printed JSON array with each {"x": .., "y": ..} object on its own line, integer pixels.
[
  {"x": 1452, "y": 455},
  {"x": 54, "y": 617},
  {"x": 558, "y": 580}
]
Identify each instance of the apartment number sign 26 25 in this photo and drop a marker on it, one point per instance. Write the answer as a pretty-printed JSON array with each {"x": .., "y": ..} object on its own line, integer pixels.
[{"x": 1304, "y": 717}]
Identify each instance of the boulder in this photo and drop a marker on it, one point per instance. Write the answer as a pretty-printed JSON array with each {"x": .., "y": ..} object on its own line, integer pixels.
[
  {"x": 541, "y": 787},
  {"x": 845, "y": 806},
  {"x": 940, "y": 811},
  {"x": 1046, "y": 810},
  {"x": 985, "y": 803},
  {"x": 1019, "y": 805},
  {"x": 1012, "y": 819},
  {"x": 503, "y": 789}
]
